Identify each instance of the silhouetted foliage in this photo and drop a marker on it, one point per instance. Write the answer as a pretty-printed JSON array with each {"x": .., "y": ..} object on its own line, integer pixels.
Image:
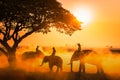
[{"x": 21, "y": 18}]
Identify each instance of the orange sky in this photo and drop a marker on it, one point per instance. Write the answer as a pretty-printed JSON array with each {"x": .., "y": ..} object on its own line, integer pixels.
[{"x": 101, "y": 31}]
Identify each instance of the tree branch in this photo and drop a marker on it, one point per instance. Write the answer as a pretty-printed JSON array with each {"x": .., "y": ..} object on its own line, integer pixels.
[
  {"x": 2, "y": 50},
  {"x": 5, "y": 30},
  {"x": 8, "y": 26},
  {"x": 25, "y": 35},
  {"x": 2, "y": 32},
  {"x": 5, "y": 44},
  {"x": 16, "y": 30}
]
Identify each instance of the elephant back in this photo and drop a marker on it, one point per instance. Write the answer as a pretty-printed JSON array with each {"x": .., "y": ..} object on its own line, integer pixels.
[
  {"x": 56, "y": 60},
  {"x": 75, "y": 55},
  {"x": 31, "y": 55}
]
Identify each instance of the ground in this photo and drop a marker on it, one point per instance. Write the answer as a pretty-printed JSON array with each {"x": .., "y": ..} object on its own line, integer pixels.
[{"x": 7, "y": 74}]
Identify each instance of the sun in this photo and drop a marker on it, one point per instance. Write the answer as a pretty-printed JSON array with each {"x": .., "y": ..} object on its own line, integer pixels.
[{"x": 84, "y": 15}]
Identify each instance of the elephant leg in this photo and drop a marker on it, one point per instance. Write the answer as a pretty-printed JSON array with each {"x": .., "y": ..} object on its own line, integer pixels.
[
  {"x": 82, "y": 68},
  {"x": 57, "y": 69},
  {"x": 50, "y": 66},
  {"x": 71, "y": 66},
  {"x": 100, "y": 70},
  {"x": 60, "y": 68}
]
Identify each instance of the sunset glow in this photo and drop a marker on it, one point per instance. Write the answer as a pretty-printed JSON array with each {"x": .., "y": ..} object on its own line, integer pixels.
[
  {"x": 84, "y": 15},
  {"x": 79, "y": 38}
]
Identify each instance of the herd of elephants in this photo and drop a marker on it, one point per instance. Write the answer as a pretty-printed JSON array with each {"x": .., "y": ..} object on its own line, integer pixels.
[
  {"x": 53, "y": 60},
  {"x": 78, "y": 55}
]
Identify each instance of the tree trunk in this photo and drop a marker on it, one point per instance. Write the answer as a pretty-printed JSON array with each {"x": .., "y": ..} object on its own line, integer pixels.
[{"x": 12, "y": 60}]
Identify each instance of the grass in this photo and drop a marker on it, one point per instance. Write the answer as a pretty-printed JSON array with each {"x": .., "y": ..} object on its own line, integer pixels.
[{"x": 8, "y": 74}]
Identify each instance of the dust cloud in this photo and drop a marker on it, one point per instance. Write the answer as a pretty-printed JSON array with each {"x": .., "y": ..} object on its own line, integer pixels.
[{"x": 109, "y": 61}]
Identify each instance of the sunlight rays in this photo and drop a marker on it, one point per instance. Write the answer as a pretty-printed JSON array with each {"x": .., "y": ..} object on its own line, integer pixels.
[{"x": 84, "y": 15}]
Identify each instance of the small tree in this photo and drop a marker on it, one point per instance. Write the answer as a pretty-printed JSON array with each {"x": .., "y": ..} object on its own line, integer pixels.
[{"x": 21, "y": 18}]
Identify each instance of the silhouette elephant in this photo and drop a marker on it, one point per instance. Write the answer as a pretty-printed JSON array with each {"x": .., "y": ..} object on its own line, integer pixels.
[
  {"x": 32, "y": 54},
  {"x": 53, "y": 61},
  {"x": 86, "y": 56}
]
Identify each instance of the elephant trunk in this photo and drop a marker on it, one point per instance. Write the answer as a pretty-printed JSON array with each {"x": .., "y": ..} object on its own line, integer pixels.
[
  {"x": 45, "y": 59},
  {"x": 42, "y": 63}
]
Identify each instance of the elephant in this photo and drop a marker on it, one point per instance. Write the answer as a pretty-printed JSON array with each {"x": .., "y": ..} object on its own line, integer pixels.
[
  {"x": 32, "y": 54},
  {"x": 53, "y": 61},
  {"x": 86, "y": 56}
]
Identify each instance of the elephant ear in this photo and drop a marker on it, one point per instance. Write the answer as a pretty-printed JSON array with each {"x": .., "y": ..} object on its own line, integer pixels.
[{"x": 46, "y": 59}]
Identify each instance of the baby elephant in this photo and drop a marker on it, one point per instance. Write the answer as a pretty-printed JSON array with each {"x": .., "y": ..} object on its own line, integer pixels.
[{"x": 53, "y": 61}]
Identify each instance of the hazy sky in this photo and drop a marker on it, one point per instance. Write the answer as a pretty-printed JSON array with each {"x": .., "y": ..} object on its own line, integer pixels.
[{"x": 102, "y": 30}]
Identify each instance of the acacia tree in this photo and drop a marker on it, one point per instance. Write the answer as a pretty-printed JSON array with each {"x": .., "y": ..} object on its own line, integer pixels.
[{"x": 21, "y": 18}]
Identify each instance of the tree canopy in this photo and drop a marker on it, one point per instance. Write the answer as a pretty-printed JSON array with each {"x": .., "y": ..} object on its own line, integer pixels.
[{"x": 20, "y": 18}]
